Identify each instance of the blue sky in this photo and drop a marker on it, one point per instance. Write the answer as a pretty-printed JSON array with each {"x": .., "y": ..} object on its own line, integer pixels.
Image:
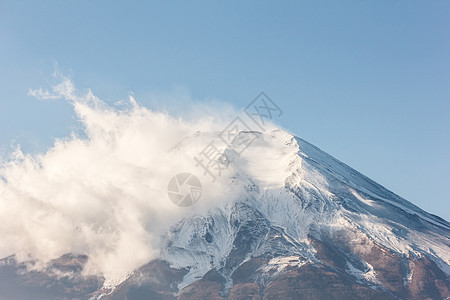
[{"x": 366, "y": 81}]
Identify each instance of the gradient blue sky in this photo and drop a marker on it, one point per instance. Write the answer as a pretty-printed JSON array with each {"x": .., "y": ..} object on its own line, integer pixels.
[{"x": 366, "y": 81}]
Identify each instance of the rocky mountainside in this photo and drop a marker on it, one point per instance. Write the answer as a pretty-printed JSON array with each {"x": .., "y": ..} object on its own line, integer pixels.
[{"x": 304, "y": 226}]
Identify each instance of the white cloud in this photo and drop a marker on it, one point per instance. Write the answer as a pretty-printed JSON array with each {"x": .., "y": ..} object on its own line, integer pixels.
[{"x": 105, "y": 195}]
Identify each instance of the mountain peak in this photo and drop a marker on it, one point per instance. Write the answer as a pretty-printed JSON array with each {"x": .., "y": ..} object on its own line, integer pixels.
[{"x": 296, "y": 217}]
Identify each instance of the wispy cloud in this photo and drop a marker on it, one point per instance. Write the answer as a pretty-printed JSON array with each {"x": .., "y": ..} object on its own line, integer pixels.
[{"x": 105, "y": 194}]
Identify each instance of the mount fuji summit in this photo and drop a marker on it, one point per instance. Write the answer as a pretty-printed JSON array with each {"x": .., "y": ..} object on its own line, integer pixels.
[{"x": 298, "y": 224}]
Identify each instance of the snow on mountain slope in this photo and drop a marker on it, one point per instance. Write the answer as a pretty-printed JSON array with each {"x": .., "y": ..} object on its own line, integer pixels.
[
  {"x": 291, "y": 190},
  {"x": 284, "y": 219}
]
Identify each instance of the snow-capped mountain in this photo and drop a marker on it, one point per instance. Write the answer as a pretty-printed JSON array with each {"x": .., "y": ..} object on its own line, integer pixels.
[{"x": 302, "y": 225}]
